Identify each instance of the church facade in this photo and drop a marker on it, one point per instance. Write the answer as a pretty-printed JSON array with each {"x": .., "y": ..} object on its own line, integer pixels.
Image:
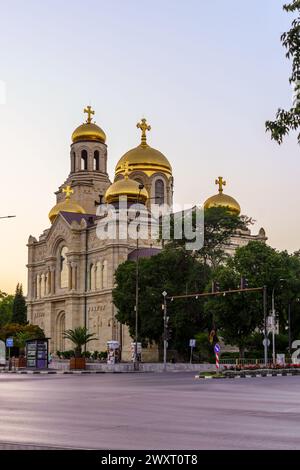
[{"x": 70, "y": 268}]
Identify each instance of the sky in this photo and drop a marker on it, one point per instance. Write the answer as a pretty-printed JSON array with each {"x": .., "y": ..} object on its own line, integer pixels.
[{"x": 205, "y": 74}]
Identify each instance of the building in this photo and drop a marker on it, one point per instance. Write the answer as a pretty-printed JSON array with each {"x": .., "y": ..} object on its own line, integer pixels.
[{"x": 70, "y": 268}]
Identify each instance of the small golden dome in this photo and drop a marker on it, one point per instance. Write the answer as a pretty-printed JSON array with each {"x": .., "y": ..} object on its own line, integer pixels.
[
  {"x": 65, "y": 206},
  {"x": 145, "y": 158},
  {"x": 89, "y": 130},
  {"x": 126, "y": 187},
  {"x": 222, "y": 200}
]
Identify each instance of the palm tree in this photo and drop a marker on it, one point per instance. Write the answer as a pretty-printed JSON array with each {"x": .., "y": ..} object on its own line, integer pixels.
[{"x": 79, "y": 336}]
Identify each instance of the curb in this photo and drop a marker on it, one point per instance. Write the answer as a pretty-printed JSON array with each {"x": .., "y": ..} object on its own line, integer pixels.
[
  {"x": 247, "y": 376},
  {"x": 64, "y": 372}
]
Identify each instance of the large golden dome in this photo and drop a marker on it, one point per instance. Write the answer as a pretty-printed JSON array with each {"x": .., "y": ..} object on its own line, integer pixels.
[
  {"x": 65, "y": 206},
  {"x": 144, "y": 158},
  {"x": 89, "y": 130},
  {"x": 126, "y": 187},
  {"x": 222, "y": 200}
]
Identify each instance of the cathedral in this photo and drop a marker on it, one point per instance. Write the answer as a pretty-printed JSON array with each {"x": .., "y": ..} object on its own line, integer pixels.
[{"x": 70, "y": 268}]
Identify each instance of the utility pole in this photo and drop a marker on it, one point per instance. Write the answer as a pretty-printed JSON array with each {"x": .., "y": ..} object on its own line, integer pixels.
[
  {"x": 165, "y": 329},
  {"x": 273, "y": 325},
  {"x": 265, "y": 326}
]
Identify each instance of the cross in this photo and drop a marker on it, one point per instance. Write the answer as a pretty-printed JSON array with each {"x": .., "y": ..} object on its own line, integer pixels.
[
  {"x": 68, "y": 191},
  {"x": 88, "y": 110},
  {"x": 126, "y": 169},
  {"x": 144, "y": 127},
  {"x": 221, "y": 183}
]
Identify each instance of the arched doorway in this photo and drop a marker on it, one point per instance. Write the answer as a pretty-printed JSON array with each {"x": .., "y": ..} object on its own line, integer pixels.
[{"x": 60, "y": 329}]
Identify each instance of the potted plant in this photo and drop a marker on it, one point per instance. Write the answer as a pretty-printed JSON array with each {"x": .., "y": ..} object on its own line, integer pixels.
[{"x": 79, "y": 337}]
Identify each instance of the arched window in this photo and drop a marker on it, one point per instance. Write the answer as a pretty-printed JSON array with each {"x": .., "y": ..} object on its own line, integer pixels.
[
  {"x": 159, "y": 192},
  {"x": 96, "y": 160},
  {"x": 64, "y": 275},
  {"x": 73, "y": 166},
  {"x": 104, "y": 275},
  {"x": 92, "y": 277},
  {"x": 84, "y": 160},
  {"x": 98, "y": 275}
]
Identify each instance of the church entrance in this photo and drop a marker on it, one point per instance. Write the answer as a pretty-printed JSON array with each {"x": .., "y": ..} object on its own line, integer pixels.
[{"x": 60, "y": 329}]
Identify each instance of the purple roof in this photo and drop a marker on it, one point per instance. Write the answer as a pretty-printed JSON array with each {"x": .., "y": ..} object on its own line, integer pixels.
[
  {"x": 71, "y": 216},
  {"x": 143, "y": 253}
]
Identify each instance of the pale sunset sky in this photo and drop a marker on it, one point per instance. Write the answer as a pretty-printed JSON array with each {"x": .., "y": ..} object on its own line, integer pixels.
[{"x": 206, "y": 75}]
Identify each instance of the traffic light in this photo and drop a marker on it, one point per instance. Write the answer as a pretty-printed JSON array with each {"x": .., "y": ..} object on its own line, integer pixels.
[
  {"x": 244, "y": 283},
  {"x": 215, "y": 286}
]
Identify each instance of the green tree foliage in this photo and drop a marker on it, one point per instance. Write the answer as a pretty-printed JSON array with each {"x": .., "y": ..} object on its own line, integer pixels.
[
  {"x": 219, "y": 225},
  {"x": 6, "y": 308},
  {"x": 238, "y": 315},
  {"x": 287, "y": 121},
  {"x": 176, "y": 272},
  {"x": 79, "y": 337},
  {"x": 13, "y": 329},
  {"x": 19, "y": 307}
]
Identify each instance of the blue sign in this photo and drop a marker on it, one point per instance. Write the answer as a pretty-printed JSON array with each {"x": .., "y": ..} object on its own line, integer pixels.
[
  {"x": 9, "y": 342},
  {"x": 217, "y": 348}
]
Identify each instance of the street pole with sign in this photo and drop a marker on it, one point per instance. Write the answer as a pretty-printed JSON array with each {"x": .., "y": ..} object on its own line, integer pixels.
[
  {"x": 165, "y": 328},
  {"x": 192, "y": 345}
]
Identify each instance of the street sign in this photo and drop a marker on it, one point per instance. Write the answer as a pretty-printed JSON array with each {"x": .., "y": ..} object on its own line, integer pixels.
[
  {"x": 9, "y": 342},
  {"x": 192, "y": 343},
  {"x": 217, "y": 348},
  {"x": 164, "y": 293},
  {"x": 266, "y": 341}
]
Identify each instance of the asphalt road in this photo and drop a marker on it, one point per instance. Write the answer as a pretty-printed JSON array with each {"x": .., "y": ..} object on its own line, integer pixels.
[{"x": 148, "y": 411}]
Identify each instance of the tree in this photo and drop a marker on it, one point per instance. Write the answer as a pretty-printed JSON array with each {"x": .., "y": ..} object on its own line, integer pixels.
[
  {"x": 289, "y": 120},
  {"x": 79, "y": 337},
  {"x": 6, "y": 308},
  {"x": 174, "y": 270},
  {"x": 220, "y": 224},
  {"x": 239, "y": 315},
  {"x": 12, "y": 329},
  {"x": 19, "y": 307}
]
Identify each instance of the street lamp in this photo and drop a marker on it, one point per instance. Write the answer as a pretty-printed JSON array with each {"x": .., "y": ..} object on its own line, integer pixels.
[
  {"x": 274, "y": 321},
  {"x": 165, "y": 329},
  {"x": 136, "y": 362}
]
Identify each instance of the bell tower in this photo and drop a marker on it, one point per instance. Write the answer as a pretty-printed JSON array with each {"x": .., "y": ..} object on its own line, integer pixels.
[{"x": 88, "y": 165}]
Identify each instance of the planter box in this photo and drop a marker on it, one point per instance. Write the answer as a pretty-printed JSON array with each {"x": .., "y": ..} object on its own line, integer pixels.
[{"x": 77, "y": 363}]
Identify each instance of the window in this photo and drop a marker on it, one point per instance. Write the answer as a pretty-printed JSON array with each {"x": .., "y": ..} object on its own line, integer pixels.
[
  {"x": 84, "y": 160},
  {"x": 63, "y": 268},
  {"x": 73, "y": 166},
  {"x": 159, "y": 192},
  {"x": 98, "y": 276},
  {"x": 104, "y": 275},
  {"x": 96, "y": 160},
  {"x": 92, "y": 277}
]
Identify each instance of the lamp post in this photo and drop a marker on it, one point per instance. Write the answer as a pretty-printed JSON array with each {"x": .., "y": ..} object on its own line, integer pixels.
[
  {"x": 165, "y": 329},
  {"x": 136, "y": 362},
  {"x": 274, "y": 321}
]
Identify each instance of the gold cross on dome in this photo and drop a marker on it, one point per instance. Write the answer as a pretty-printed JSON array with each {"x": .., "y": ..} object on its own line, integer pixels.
[
  {"x": 126, "y": 169},
  {"x": 68, "y": 191},
  {"x": 221, "y": 183},
  {"x": 144, "y": 127},
  {"x": 90, "y": 112}
]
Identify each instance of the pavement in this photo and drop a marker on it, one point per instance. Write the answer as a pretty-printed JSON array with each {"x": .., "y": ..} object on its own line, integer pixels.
[{"x": 148, "y": 411}]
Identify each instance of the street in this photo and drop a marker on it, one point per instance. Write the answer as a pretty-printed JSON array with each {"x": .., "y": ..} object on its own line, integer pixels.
[{"x": 148, "y": 411}]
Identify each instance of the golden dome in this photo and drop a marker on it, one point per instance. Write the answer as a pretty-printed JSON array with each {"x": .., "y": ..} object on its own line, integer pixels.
[
  {"x": 144, "y": 158},
  {"x": 222, "y": 200},
  {"x": 126, "y": 187},
  {"x": 89, "y": 130},
  {"x": 65, "y": 206}
]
